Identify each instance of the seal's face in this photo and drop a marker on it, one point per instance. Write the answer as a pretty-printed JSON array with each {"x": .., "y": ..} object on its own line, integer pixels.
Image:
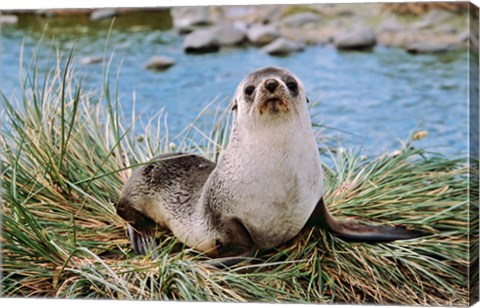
[{"x": 269, "y": 92}]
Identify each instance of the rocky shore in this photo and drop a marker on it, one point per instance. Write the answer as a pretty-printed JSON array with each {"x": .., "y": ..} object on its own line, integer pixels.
[{"x": 282, "y": 30}]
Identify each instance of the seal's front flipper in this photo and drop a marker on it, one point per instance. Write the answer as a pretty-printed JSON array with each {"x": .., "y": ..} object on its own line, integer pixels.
[
  {"x": 141, "y": 229},
  {"x": 358, "y": 232},
  {"x": 142, "y": 243}
]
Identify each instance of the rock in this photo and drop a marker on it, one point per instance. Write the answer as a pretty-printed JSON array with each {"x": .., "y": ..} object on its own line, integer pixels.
[
  {"x": 432, "y": 18},
  {"x": 201, "y": 41},
  {"x": 91, "y": 60},
  {"x": 391, "y": 25},
  {"x": 103, "y": 14},
  {"x": 307, "y": 35},
  {"x": 282, "y": 47},
  {"x": 464, "y": 36},
  {"x": 300, "y": 19},
  {"x": 359, "y": 38},
  {"x": 428, "y": 48},
  {"x": 268, "y": 14},
  {"x": 159, "y": 63},
  {"x": 449, "y": 29},
  {"x": 238, "y": 10},
  {"x": 437, "y": 16},
  {"x": 186, "y": 19},
  {"x": 422, "y": 24},
  {"x": 8, "y": 19},
  {"x": 44, "y": 13},
  {"x": 345, "y": 12},
  {"x": 261, "y": 35},
  {"x": 230, "y": 34}
]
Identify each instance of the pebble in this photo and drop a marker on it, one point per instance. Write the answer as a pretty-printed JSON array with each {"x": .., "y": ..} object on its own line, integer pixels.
[{"x": 159, "y": 63}]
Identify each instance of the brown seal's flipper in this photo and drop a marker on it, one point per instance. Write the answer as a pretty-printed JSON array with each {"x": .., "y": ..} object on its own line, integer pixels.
[
  {"x": 358, "y": 232},
  {"x": 141, "y": 229}
]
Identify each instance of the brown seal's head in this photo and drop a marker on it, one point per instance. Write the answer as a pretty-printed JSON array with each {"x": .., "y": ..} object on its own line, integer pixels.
[{"x": 269, "y": 92}]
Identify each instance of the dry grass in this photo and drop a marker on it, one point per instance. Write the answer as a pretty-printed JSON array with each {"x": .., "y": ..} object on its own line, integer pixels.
[{"x": 65, "y": 155}]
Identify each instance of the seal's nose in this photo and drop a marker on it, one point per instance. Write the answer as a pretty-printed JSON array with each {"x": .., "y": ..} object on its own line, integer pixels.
[{"x": 271, "y": 85}]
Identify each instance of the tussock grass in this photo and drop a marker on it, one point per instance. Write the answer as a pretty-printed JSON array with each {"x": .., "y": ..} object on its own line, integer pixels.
[{"x": 65, "y": 154}]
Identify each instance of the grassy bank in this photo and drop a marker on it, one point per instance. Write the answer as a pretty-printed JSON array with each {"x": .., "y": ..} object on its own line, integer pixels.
[{"x": 66, "y": 152}]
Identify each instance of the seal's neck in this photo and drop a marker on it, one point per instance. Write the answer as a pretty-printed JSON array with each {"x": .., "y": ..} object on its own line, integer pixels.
[{"x": 273, "y": 133}]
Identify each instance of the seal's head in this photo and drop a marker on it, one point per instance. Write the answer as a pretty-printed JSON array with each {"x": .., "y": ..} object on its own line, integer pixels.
[{"x": 268, "y": 93}]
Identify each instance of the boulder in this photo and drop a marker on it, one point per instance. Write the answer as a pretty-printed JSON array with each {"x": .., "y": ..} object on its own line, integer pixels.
[
  {"x": 201, "y": 41},
  {"x": 266, "y": 14},
  {"x": 428, "y": 48},
  {"x": 438, "y": 16},
  {"x": 237, "y": 11},
  {"x": 309, "y": 34},
  {"x": 261, "y": 35},
  {"x": 8, "y": 19},
  {"x": 449, "y": 29},
  {"x": 432, "y": 18},
  {"x": 391, "y": 25},
  {"x": 186, "y": 19},
  {"x": 345, "y": 12},
  {"x": 103, "y": 14},
  {"x": 300, "y": 19},
  {"x": 282, "y": 47},
  {"x": 159, "y": 63},
  {"x": 45, "y": 13},
  {"x": 422, "y": 24},
  {"x": 464, "y": 36},
  {"x": 230, "y": 34},
  {"x": 355, "y": 39}
]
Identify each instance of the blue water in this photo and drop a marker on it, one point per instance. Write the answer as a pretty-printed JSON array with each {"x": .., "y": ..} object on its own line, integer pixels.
[{"x": 365, "y": 99}]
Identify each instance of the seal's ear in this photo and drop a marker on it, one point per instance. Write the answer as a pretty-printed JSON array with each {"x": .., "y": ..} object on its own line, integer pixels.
[
  {"x": 235, "y": 105},
  {"x": 308, "y": 101}
]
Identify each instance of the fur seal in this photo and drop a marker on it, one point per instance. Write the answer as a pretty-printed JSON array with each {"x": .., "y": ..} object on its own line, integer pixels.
[{"x": 266, "y": 187}]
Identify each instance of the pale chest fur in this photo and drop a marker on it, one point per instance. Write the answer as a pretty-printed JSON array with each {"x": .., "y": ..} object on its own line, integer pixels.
[{"x": 277, "y": 180}]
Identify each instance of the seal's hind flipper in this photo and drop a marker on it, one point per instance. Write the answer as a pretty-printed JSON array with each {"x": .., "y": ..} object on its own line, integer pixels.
[{"x": 358, "y": 232}]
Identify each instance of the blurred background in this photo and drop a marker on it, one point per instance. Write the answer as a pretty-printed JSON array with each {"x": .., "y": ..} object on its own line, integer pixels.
[{"x": 375, "y": 73}]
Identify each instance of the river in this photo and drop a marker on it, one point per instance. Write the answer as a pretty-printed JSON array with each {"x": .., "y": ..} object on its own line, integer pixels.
[{"x": 366, "y": 100}]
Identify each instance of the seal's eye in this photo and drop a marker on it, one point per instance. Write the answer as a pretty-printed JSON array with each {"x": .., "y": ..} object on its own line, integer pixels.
[
  {"x": 292, "y": 85},
  {"x": 249, "y": 90}
]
